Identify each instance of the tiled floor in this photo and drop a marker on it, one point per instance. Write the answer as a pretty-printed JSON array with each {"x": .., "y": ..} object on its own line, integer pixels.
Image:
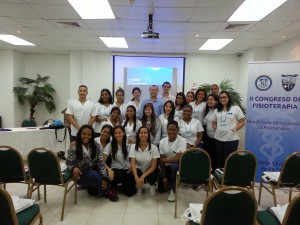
[{"x": 139, "y": 210}]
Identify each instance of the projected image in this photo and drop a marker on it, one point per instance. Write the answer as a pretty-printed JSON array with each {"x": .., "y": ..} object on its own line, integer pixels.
[{"x": 148, "y": 75}]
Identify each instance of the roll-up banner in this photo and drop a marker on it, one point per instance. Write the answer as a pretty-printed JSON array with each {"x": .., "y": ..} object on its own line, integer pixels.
[{"x": 273, "y": 113}]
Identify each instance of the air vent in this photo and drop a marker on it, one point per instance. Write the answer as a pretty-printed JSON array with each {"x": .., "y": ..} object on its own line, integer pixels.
[
  {"x": 239, "y": 26},
  {"x": 69, "y": 24}
]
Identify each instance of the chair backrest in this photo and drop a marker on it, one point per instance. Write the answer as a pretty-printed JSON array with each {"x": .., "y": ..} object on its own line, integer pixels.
[
  {"x": 229, "y": 206},
  {"x": 240, "y": 169},
  {"x": 11, "y": 165},
  {"x": 292, "y": 215},
  {"x": 194, "y": 167},
  {"x": 7, "y": 211},
  {"x": 290, "y": 173},
  {"x": 44, "y": 166}
]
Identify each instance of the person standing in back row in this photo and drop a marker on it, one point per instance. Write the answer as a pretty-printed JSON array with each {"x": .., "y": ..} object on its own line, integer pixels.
[
  {"x": 156, "y": 102},
  {"x": 81, "y": 111},
  {"x": 166, "y": 96}
]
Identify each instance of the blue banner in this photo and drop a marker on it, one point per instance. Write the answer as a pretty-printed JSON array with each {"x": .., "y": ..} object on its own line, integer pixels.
[{"x": 273, "y": 113}]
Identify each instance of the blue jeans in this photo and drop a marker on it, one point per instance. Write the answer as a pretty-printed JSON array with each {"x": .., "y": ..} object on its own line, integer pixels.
[{"x": 91, "y": 178}]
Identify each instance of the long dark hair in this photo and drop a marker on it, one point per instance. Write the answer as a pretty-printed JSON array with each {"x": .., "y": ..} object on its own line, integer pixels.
[
  {"x": 172, "y": 113},
  {"x": 114, "y": 144},
  {"x": 216, "y": 98},
  {"x": 137, "y": 138},
  {"x": 92, "y": 145},
  {"x": 153, "y": 118},
  {"x": 135, "y": 89},
  {"x": 184, "y": 100},
  {"x": 134, "y": 117},
  {"x": 197, "y": 92},
  {"x": 110, "y": 131},
  {"x": 191, "y": 93},
  {"x": 110, "y": 100},
  {"x": 229, "y": 104}
]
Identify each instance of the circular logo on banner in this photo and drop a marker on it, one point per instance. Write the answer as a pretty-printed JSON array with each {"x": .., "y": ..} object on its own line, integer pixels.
[{"x": 263, "y": 82}]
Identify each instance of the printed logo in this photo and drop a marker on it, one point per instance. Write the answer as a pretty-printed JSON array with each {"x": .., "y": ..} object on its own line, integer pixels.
[
  {"x": 263, "y": 82},
  {"x": 288, "y": 81}
]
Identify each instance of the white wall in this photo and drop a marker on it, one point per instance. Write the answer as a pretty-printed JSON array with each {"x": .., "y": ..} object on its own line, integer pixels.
[{"x": 287, "y": 51}]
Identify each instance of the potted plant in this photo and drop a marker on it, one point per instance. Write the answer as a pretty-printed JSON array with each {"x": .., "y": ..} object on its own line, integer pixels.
[
  {"x": 34, "y": 92},
  {"x": 226, "y": 85}
]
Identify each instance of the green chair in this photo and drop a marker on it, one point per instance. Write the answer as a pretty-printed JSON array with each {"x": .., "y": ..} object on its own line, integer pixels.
[
  {"x": 195, "y": 169},
  {"x": 229, "y": 206},
  {"x": 45, "y": 170},
  {"x": 291, "y": 216},
  {"x": 8, "y": 214},
  {"x": 239, "y": 170},
  {"x": 289, "y": 178},
  {"x": 12, "y": 167}
]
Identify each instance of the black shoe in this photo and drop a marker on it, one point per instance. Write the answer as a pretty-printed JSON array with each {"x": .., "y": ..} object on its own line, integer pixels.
[
  {"x": 112, "y": 196},
  {"x": 61, "y": 154}
]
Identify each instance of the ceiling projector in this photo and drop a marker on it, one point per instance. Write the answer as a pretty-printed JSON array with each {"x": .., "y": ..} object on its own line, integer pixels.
[{"x": 150, "y": 36}]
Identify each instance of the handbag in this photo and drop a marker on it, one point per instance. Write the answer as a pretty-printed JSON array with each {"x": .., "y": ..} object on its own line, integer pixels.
[{"x": 56, "y": 124}]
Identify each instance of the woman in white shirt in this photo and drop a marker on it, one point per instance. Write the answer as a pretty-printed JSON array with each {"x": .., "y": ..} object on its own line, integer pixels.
[
  {"x": 179, "y": 103},
  {"x": 105, "y": 134},
  {"x": 120, "y": 102},
  {"x": 190, "y": 128},
  {"x": 131, "y": 124},
  {"x": 152, "y": 122},
  {"x": 190, "y": 97},
  {"x": 228, "y": 119},
  {"x": 199, "y": 104},
  {"x": 103, "y": 106},
  {"x": 143, "y": 157},
  {"x": 166, "y": 117},
  {"x": 209, "y": 132},
  {"x": 135, "y": 101},
  {"x": 114, "y": 118},
  {"x": 119, "y": 170}
]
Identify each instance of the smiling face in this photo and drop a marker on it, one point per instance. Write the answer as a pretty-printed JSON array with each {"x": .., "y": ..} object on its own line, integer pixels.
[
  {"x": 136, "y": 94},
  {"x": 105, "y": 134},
  {"x": 86, "y": 136},
  {"x": 82, "y": 92},
  {"x": 166, "y": 88},
  {"x": 224, "y": 99},
  {"x": 115, "y": 114},
  {"x": 153, "y": 90},
  {"x": 172, "y": 132},
  {"x": 200, "y": 96},
  {"x": 148, "y": 111},
  {"x": 168, "y": 108},
  {"x": 105, "y": 96},
  {"x": 179, "y": 100},
  {"x": 143, "y": 134},
  {"x": 187, "y": 113},
  {"x": 211, "y": 103},
  {"x": 189, "y": 97},
  {"x": 119, "y": 134},
  {"x": 120, "y": 96},
  {"x": 130, "y": 112}
]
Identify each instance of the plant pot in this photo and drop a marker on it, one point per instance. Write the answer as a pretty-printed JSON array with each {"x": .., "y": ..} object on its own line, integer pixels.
[{"x": 28, "y": 123}]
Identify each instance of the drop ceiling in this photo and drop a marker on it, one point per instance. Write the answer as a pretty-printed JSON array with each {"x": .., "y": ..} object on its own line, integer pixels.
[{"x": 55, "y": 27}]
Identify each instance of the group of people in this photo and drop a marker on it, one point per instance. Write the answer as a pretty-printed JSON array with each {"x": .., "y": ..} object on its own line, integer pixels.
[{"x": 135, "y": 142}]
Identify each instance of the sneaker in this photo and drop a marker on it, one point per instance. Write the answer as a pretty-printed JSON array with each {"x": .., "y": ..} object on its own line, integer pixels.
[
  {"x": 139, "y": 192},
  {"x": 152, "y": 190},
  {"x": 171, "y": 197},
  {"x": 112, "y": 196}
]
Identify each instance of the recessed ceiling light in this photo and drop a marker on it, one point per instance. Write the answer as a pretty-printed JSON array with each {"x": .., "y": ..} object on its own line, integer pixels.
[
  {"x": 114, "y": 42},
  {"x": 14, "y": 40},
  {"x": 19, "y": 32},
  {"x": 282, "y": 36},
  {"x": 255, "y": 10},
  {"x": 93, "y": 9},
  {"x": 215, "y": 44},
  {"x": 197, "y": 35}
]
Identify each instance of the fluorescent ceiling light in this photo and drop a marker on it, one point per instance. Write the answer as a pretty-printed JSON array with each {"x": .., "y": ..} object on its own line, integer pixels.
[
  {"x": 93, "y": 9},
  {"x": 255, "y": 10},
  {"x": 215, "y": 44},
  {"x": 14, "y": 40},
  {"x": 114, "y": 42}
]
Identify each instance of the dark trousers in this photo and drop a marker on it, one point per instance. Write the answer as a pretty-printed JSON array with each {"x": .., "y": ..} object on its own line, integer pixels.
[
  {"x": 223, "y": 149},
  {"x": 91, "y": 178},
  {"x": 171, "y": 171},
  {"x": 209, "y": 147},
  {"x": 151, "y": 178},
  {"x": 127, "y": 181}
]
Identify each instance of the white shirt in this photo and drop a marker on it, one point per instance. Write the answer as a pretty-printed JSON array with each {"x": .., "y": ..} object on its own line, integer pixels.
[
  {"x": 155, "y": 139},
  {"x": 107, "y": 122},
  {"x": 208, "y": 122},
  {"x": 227, "y": 121},
  {"x": 137, "y": 107},
  {"x": 170, "y": 149},
  {"x": 198, "y": 110},
  {"x": 144, "y": 158},
  {"x": 189, "y": 131},
  {"x": 102, "y": 112},
  {"x": 167, "y": 98},
  {"x": 82, "y": 113},
  {"x": 102, "y": 149},
  {"x": 164, "y": 123},
  {"x": 119, "y": 162},
  {"x": 178, "y": 113},
  {"x": 130, "y": 133}
]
